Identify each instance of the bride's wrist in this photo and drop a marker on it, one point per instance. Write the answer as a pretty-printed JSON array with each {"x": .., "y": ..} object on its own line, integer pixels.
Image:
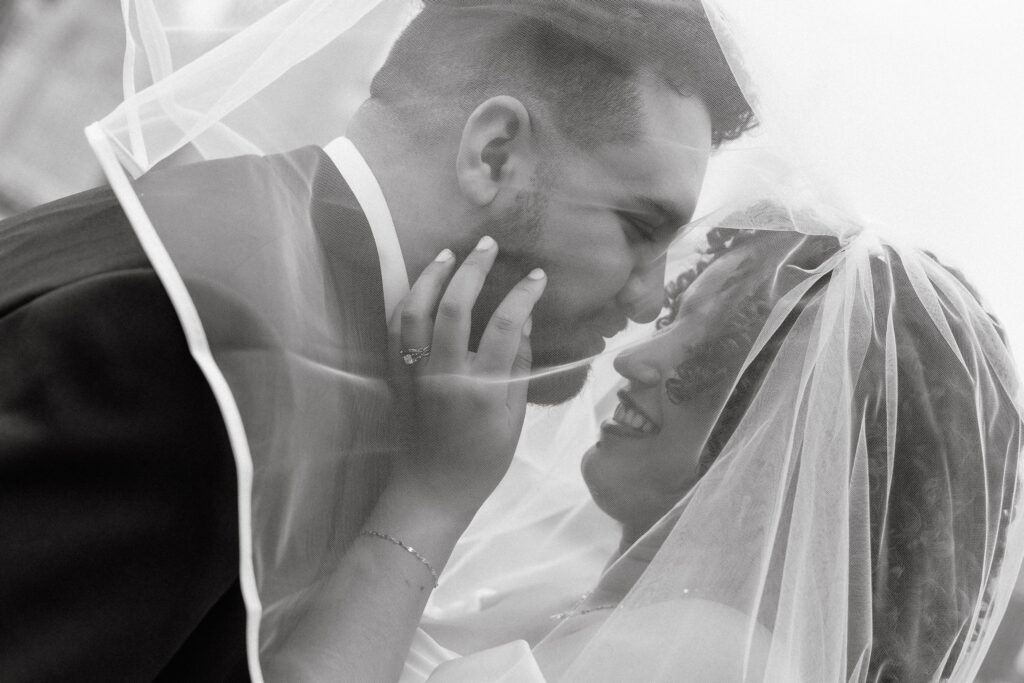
[
  {"x": 422, "y": 525},
  {"x": 447, "y": 502},
  {"x": 434, "y": 506}
]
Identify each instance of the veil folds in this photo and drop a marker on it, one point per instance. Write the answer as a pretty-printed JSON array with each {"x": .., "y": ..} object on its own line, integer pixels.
[{"x": 858, "y": 520}]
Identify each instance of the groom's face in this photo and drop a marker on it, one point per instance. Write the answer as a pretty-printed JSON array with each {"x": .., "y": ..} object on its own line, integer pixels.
[{"x": 599, "y": 221}]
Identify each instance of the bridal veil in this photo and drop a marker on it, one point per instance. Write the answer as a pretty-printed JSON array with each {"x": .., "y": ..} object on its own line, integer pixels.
[{"x": 860, "y": 519}]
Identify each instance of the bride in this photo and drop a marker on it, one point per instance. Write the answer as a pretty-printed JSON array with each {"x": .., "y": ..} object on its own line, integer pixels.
[{"x": 814, "y": 463}]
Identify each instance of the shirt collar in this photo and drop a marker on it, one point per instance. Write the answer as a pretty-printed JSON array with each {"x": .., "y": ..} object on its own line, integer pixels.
[{"x": 364, "y": 186}]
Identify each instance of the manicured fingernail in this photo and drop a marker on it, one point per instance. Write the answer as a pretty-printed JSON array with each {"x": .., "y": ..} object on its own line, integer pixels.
[
  {"x": 485, "y": 243},
  {"x": 445, "y": 255},
  {"x": 528, "y": 326},
  {"x": 536, "y": 274}
]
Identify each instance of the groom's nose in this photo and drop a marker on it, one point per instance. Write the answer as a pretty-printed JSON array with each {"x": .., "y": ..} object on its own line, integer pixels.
[{"x": 644, "y": 293}]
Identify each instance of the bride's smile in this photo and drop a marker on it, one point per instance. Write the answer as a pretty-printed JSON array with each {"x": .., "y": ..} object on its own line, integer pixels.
[
  {"x": 629, "y": 420},
  {"x": 649, "y": 451}
]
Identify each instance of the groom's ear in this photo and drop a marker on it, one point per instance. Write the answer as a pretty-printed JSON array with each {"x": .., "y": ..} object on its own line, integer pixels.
[{"x": 496, "y": 150}]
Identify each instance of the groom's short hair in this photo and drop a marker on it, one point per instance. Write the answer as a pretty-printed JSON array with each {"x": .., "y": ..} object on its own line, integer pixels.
[{"x": 578, "y": 58}]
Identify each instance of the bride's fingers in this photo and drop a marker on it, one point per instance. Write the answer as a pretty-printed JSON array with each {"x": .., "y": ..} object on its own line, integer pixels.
[
  {"x": 502, "y": 339},
  {"x": 517, "y": 388},
  {"x": 454, "y": 313},
  {"x": 416, "y": 315}
]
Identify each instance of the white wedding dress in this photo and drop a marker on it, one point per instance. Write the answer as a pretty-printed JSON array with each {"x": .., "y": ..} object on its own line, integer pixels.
[
  {"x": 709, "y": 630},
  {"x": 537, "y": 544}
]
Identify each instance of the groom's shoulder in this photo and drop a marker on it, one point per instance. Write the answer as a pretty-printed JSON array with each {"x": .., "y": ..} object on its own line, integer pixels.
[
  {"x": 114, "y": 452},
  {"x": 62, "y": 242},
  {"x": 248, "y": 180},
  {"x": 88, "y": 234}
]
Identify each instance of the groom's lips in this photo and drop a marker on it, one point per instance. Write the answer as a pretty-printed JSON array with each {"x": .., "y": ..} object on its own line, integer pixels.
[
  {"x": 610, "y": 328},
  {"x": 586, "y": 340},
  {"x": 596, "y": 334},
  {"x": 594, "y": 341}
]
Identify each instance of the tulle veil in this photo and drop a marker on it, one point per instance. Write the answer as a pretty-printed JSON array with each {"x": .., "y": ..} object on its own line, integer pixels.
[{"x": 802, "y": 529}]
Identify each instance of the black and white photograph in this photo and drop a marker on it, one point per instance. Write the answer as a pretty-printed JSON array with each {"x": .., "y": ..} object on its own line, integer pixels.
[{"x": 511, "y": 341}]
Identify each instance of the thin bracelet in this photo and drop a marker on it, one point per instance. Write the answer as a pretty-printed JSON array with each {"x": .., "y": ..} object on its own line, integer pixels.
[{"x": 411, "y": 551}]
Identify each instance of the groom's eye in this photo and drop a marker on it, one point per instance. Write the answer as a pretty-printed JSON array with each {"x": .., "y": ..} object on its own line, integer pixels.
[{"x": 637, "y": 229}]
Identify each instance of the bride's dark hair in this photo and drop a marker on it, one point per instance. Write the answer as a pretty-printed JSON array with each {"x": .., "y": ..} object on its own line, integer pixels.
[
  {"x": 713, "y": 362},
  {"x": 932, "y": 514}
]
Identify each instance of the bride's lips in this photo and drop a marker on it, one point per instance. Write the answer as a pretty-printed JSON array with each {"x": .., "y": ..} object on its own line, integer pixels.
[{"x": 629, "y": 420}]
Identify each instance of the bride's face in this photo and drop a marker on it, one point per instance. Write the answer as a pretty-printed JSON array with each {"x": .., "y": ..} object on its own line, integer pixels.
[{"x": 648, "y": 454}]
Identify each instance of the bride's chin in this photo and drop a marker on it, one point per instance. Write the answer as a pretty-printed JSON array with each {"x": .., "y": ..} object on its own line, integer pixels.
[
  {"x": 602, "y": 488},
  {"x": 587, "y": 469}
]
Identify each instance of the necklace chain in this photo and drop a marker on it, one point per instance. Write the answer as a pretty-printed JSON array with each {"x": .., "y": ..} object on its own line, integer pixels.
[{"x": 575, "y": 610}]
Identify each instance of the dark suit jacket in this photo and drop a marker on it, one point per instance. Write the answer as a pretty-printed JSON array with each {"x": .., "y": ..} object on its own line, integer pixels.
[{"x": 118, "y": 494}]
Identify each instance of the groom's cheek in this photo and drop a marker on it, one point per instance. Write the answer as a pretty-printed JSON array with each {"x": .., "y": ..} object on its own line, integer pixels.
[
  {"x": 502, "y": 278},
  {"x": 484, "y": 308}
]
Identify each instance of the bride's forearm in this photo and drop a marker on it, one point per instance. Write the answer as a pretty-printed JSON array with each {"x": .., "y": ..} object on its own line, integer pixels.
[
  {"x": 466, "y": 411},
  {"x": 360, "y": 622}
]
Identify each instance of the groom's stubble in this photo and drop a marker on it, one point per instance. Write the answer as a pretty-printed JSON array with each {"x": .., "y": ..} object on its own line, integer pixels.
[{"x": 519, "y": 233}]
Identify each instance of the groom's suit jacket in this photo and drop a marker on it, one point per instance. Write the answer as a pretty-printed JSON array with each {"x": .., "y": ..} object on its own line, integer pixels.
[{"x": 118, "y": 494}]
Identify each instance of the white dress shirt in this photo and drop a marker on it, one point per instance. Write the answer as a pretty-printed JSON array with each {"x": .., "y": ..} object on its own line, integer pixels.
[{"x": 364, "y": 185}]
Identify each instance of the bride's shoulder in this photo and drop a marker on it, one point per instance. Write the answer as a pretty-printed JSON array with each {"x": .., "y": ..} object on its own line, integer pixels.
[
  {"x": 691, "y": 614},
  {"x": 700, "y": 633},
  {"x": 687, "y": 639},
  {"x": 692, "y": 638}
]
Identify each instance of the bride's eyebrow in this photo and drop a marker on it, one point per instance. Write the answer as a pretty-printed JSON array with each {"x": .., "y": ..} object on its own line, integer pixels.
[{"x": 740, "y": 321}]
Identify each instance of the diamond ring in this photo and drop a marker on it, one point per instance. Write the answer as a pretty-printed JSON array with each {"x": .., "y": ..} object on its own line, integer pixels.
[{"x": 413, "y": 356}]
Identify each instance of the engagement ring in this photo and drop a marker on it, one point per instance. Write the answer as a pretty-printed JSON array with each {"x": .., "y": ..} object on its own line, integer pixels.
[{"x": 413, "y": 356}]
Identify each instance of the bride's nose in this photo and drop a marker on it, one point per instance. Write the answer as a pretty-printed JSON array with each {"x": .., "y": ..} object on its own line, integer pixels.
[{"x": 638, "y": 369}]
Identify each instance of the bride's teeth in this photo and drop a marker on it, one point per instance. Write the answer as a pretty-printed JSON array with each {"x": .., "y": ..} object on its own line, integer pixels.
[{"x": 631, "y": 418}]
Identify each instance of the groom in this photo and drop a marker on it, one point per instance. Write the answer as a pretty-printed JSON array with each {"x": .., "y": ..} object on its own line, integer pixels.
[{"x": 574, "y": 134}]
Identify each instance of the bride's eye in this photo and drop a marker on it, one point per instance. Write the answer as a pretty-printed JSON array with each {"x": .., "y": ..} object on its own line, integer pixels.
[
  {"x": 688, "y": 383},
  {"x": 676, "y": 389}
]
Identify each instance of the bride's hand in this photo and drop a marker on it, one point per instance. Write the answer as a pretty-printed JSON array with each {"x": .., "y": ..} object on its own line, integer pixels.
[{"x": 466, "y": 410}]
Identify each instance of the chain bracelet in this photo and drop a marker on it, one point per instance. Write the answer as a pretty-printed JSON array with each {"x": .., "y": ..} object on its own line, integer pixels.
[{"x": 412, "y": 551}]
